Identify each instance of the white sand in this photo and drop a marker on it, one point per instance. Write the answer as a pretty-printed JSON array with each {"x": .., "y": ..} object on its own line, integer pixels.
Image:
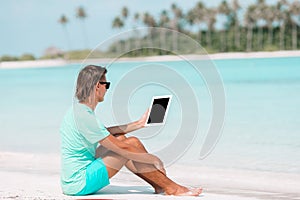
[
  {"x": 260, "y": 54},
  {"x": 60, "y": 62},
  {"x": 33, "y": 176},
  {"x": 32, "y": 64}
]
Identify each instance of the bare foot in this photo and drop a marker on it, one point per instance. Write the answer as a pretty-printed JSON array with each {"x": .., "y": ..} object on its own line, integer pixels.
[
  {"x": 191, "y": 192},
  {"x": 183, "y": 191}
]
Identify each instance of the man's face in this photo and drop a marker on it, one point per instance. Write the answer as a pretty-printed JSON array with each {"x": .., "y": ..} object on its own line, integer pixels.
[{"x": 101, "y": 89}]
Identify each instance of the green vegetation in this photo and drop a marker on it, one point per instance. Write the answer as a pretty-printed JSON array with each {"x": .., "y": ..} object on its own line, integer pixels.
[
  {"x": 24, "y": 57},
  {"x": 27, "y": 57},
  {"x": 9, "y": 58},
  {"x": 262, "y": 28}
]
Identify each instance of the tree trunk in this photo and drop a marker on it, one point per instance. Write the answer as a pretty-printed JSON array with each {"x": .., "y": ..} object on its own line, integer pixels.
[
  {"x": 67, "y": 38},
  {"x": 175, "y": 42},
  {"x": 249, "y": 38},
  {"x": 208, "y": 38},
  {"x": 281, "y": 40},
  {"x": 259, "y": 40},
  {"x": 223, "y": 41},
  {"x": 237, "y": 36},
  {"x": 119, "y": 47},
  {"x": 85, "y": 37},
  {"x": 199, "y": 36},
  {"x": 162, "y": 37},
  {"x": 149, "y": 41},
  {"x": 294, "y": 36},
  {"x": 127, "y": 45},
  {"x": 137, "y": 42},
  {"x": 270, "y": 35},
  {"x": 174, "y": 34}
]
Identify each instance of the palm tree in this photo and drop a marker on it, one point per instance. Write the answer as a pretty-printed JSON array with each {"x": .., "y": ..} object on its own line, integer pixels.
[
  {"x": 249, "y": 22},
  {"x": 177, "y": 13},
  {"x": 210, "y": 18},
  {"x": 235, "y": 8},
  {"x": 190, "y": 17},
  {"x": 295, "y": 12},
  {"x": 125, "y": 14},
  {"x": 259, "y": 11},
  {"x": 118, "y": 24},
  {"x": 196, "y": 16},
  {"x": 224, "y": 9},
  {"x": 282, "y": 15},
  {"x": 81, "y": 14},
  {"x": 63, "y": 20},
  {"x": 269, "y": 16},
  {"x": 150, "y": 22},
  {"x": 136, "y": 20},
  {"x": 175, "y": 25},
  {"x": 164, "y": 21}
]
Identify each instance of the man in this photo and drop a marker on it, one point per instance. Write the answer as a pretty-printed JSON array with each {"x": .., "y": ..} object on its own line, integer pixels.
[{"x": 86, "y": 168}]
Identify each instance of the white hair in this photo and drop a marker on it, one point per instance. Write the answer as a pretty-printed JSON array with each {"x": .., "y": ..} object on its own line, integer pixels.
[{"x": 87, "y": 79}]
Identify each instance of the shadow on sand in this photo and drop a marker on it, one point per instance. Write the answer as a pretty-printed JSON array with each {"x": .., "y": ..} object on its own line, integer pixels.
[{"x": 116, "y": 189}]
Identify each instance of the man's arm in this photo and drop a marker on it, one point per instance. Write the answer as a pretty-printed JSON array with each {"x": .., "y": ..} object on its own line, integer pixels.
[{"x": 124, "y": 129}]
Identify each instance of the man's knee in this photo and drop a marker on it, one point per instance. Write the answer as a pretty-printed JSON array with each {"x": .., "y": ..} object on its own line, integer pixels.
[
  {"x": 133, "y": 141},
  {"x": 121, "y": 137}
]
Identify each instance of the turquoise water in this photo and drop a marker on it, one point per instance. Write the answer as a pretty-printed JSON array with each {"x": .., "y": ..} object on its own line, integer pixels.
[{"x": 261, "y": 129}]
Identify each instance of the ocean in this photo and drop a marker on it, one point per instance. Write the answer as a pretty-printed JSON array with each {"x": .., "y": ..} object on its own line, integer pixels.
[{"x": 261, "y": 126}]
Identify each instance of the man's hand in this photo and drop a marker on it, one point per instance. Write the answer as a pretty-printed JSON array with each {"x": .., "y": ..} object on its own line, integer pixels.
[
  {"x": 124, "y": 129},
  {"x": 141, "y": 122},
  {"x": 160, "y": 166}
]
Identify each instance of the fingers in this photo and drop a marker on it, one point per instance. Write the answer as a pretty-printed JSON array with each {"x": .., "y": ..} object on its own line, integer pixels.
[
  {"x": 147, "y": 111},
  {"x": 159, "y": 165},
  {"x": 163, "y": 170},
  {"x": 143, "y": 119}
]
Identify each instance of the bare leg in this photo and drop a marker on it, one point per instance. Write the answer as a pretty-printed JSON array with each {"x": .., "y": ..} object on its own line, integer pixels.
[
  {"x": 102, "y": 152},
  {"x": 157, "y": 179},
  {"x": 131, "y": 165},
  {"x": 158, "y": 189}
]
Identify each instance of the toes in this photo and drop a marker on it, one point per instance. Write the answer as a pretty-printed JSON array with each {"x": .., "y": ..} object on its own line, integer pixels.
[
  {"x": 200, "y": 190},
  {"x": 189, "y": 193}
]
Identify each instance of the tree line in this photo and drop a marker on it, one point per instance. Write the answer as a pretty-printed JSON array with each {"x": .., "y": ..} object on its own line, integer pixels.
[{"x": 262, "y": 27}]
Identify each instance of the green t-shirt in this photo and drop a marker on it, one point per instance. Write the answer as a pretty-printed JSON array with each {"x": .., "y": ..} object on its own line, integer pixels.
[{"x": 80, "y": 133}]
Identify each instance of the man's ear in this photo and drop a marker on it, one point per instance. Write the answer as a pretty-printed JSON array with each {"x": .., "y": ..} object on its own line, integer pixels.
[{"x": 98, "y": 85}]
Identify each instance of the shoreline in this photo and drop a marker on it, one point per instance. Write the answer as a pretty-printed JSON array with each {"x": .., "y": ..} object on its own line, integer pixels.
[
  {"x": 216, "y": 56},
  {"x": 42, "y": 172}
]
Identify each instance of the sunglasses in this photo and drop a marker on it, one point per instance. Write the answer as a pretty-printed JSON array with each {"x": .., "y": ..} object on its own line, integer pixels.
[{"x": 107, "y": 84}]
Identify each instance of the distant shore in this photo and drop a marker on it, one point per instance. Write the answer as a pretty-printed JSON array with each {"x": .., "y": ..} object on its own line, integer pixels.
[{"x": 217, "y": 56}]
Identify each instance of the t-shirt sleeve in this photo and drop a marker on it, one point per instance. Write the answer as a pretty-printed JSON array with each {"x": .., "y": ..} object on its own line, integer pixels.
[{"x": 89, "y": 126}]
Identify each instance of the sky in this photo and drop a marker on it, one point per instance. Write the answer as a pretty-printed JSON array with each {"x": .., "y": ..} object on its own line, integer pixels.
[{"x": 31, "y": 26}]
